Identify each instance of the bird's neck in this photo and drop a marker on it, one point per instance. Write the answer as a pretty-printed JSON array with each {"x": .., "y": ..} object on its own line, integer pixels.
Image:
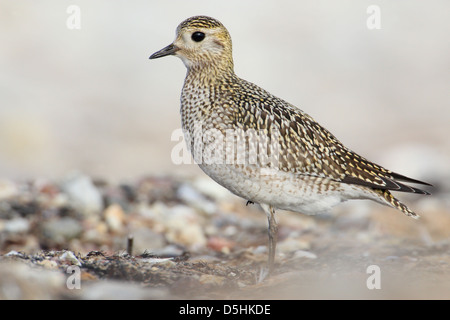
[{"x": 210, "y": 74}]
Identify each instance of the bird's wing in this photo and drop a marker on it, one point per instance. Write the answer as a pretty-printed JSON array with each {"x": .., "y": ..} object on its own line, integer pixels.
[
  {"x": 305, "y": 147},
  {"x": 327, "y": 156}
]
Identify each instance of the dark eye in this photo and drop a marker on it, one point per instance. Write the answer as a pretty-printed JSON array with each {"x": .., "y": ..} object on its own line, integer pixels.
[{"x": 198, "y": 36}]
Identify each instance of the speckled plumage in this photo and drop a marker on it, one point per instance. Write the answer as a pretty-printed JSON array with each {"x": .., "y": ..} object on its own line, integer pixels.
[{"x": 310, "y": 170}]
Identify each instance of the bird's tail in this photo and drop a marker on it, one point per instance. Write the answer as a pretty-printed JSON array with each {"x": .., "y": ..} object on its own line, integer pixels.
[{"x": 391, "y": 201}]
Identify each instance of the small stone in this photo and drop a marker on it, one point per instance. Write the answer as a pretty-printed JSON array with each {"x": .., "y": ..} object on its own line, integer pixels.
[
  {"x": 183, "y": 227},
  {"x": 14, "y": 253},
  {"x": 8, "y": 189},
  {"x": 166, "y": 262},
  {"x": 230, "y": 230},
  {"x": 220, "y": 244},
  {"x": 204, "y": 259},
  {"x": 192, "y": 197},
  {"x": 86, "y": 276},
  {"x": 293, "y": 244},
  {"x": 16, "y": 225},
  {"x": 114, "y": 217},
  {"x": 96, "y": 233},
  {"x": 187, "y": 193},
  {"x": 46, "y": 187},
  {"x": 69, "y": 256},
  {"x": 49, "y": 264},
  {"x": 145, "y": 239},
  {"x": 168, "y": 251},
  {"x": 83, "y": 193},
  {"x": 153, "y": 189},
  {"x": 157, "y": 211},
  {"x": 304, "y": 254},
  {"x": 261, "y": 250},
  {"x": 62, "y": 230},
  {"x": 211, "y": 279}
]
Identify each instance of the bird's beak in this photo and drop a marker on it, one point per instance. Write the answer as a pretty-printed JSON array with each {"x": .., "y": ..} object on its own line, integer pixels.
[{"x": 169, "y": 50}]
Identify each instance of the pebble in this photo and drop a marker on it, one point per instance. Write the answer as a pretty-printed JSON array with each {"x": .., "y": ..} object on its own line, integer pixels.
[
  {"x": 156, "y": 211},
  {"x": 69, "y": 256},
  {"x": 15, "y": 225},
  {"x": 95, "y": 233},
  {"x": 153, "y": 189},
  {"x": 46, "y": 187},
  {"x": 180, "y": 224},
  {"x": 115, "y": 218},
  {"x": 83, "y": 193},
  {"x": 194, "y": 199},
  {"x": 8, "y": 189},
  {"x": 220, "y": 244},
  {"x": 166, "y": 262},
  {"x": 261, "y": 250},
  {"x": 204, "y": 259},
  {"x": 292, "y": 244},
  {"x": 14, "y": 253},
  {"x": 230, "y": 230},
  {"x": 145, "y": 239},
  {"x": 183, "y": 227},
  {"x": 304, "y": 254},
  {"x": 211, "y": 279},
  {"x": 61, "y": 230},
  {"x": 48, "y": 264},
  {"x": 168, "y": 251}
]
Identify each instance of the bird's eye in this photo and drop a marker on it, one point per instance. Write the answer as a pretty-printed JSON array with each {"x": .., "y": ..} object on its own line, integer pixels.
[{"x": 198, "y": 36}]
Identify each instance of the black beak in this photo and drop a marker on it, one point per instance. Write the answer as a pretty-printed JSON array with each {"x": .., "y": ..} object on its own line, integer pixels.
[{"x": 169, "y": 50}]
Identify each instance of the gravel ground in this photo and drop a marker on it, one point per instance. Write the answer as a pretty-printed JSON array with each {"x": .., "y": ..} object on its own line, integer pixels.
[{"x": 173, "y": 238}]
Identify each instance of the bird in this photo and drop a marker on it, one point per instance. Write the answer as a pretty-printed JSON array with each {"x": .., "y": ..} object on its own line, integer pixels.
[{"x": 262, "y": 148}]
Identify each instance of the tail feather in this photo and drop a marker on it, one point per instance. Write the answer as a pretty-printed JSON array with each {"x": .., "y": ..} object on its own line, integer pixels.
[
  {"x": 395, "y": 203},
  {"x": 407, "y": 179}
]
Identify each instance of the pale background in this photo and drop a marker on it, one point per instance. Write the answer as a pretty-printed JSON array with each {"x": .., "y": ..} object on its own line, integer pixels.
[{"x": 90, "y": 100}]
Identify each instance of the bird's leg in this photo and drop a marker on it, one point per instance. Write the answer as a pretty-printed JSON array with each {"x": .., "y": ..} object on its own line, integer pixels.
[{"x": 273, "y": 235}]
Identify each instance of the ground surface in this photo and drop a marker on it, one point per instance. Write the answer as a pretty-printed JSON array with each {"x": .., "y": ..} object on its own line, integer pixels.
[{"x": 193, "y": 240}]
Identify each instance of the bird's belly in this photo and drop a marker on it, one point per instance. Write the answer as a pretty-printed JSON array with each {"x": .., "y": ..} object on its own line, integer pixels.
[{"x": 299, "y": 193}]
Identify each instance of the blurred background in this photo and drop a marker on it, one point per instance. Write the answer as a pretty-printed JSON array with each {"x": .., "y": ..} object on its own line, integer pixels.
[{"x": 89, "y": 99}]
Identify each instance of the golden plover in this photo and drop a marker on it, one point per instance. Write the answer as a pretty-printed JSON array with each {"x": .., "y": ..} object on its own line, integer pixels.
[{"x": 261, "y": 147}]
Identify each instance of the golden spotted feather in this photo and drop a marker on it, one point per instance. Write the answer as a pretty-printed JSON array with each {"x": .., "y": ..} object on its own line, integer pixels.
[
  {"x": 212, "y": 94},
  {"x": 309, "y": 148}
]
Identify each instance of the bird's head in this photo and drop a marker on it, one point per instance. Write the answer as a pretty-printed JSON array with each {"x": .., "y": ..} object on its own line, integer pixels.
[{"x": 200, "y": 41}]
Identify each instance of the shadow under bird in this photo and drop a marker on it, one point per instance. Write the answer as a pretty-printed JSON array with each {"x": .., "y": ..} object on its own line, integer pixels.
[{"x": 310, "y": 170}]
